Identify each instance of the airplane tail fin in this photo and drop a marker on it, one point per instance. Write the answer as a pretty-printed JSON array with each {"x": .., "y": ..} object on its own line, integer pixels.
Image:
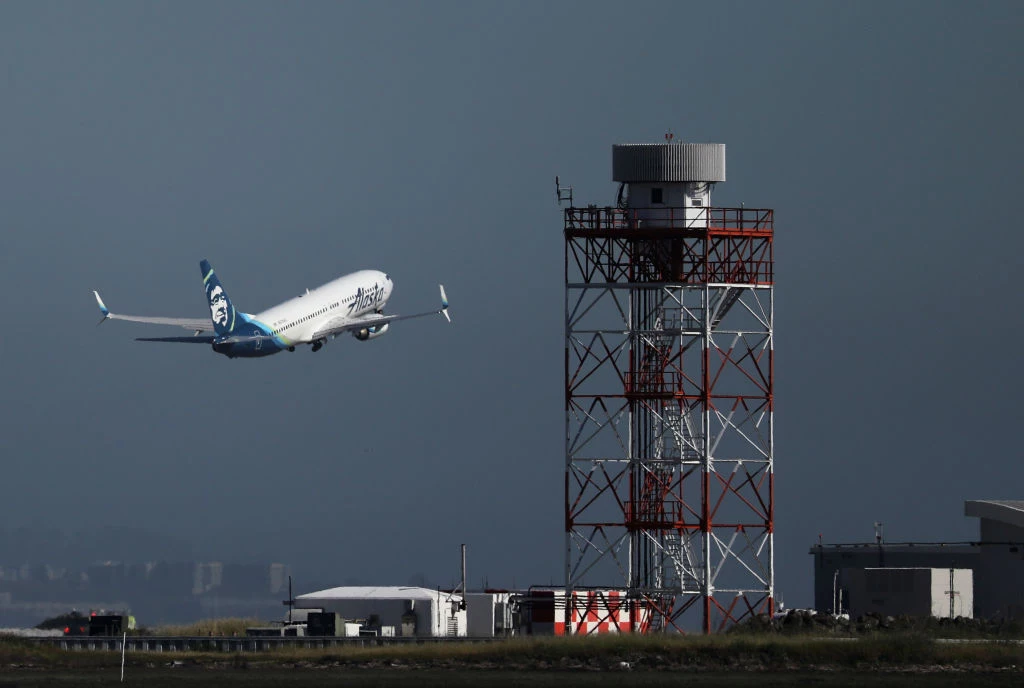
[{"x": 222, "y": 312}]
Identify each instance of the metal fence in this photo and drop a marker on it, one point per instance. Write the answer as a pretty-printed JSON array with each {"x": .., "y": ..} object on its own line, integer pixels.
[{"x": 232, "y": 643}]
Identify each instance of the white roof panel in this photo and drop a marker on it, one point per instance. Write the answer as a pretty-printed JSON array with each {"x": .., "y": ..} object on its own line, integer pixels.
[
  {"x": 1009, "y": 511},
  {"x": 380, "y": 592}
]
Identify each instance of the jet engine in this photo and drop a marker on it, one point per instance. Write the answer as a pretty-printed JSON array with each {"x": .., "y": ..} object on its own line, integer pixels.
[{"x": 370, "y": 332}]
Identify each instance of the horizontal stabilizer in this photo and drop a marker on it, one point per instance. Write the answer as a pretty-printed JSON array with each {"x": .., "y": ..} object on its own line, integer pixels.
[
  {"x": 178, "y": 340},
  {"x": 245, "y": 339}
]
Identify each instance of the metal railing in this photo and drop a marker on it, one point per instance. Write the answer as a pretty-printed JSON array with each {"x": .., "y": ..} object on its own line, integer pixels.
[
  {"x": 725, "y": 220},
  {"x": 236, "y": 643}
]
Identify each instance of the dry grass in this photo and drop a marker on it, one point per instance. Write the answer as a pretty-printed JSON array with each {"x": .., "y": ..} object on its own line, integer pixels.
[
  {"x": 215, "y": 627},
  {"x": 715, "y": 653}
]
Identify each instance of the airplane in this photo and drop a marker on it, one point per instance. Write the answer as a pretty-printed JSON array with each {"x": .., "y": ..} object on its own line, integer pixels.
[{"x": 353, "y": 303}]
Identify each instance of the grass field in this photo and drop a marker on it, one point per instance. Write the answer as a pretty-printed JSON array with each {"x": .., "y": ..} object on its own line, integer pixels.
[
  {"x": 159, "y": 677},
  {"x": 589, "y": 655},
  {"x": 899, "y": 654},
  {"x": 728, "y": 661}
]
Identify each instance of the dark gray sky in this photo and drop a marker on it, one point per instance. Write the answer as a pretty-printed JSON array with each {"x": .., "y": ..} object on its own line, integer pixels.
[{"x": 290, "y": 143}]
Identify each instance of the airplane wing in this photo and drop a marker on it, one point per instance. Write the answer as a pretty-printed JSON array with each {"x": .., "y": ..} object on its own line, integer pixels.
[
  {"x": 336, "y": 326},
  {"x": 194, "y": 324}
]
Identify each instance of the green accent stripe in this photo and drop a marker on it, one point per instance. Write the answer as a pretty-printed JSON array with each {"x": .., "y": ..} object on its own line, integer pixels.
[
  {"x": 208, "y": 276},
  {"x": 276, "y": 334}
]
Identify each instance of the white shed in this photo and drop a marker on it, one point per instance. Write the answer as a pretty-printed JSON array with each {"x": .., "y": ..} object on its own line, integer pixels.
[
  {"x": 437, "y": 614},
  {"x": 490, "y": 614}
]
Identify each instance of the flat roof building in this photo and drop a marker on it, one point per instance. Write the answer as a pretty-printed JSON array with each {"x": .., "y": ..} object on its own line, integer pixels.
[
  {"x": 421, "y": 611},
  {"x": 996, "y": 560},
  {"x": 830, "y": 562}
]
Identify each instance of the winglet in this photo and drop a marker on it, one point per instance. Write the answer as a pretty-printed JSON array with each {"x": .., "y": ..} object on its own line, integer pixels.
[
  {"x": 103, "y": 308},
  {"x": 444, "y": 304}
]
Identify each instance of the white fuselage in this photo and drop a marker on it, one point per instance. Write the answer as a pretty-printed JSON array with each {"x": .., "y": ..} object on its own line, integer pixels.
[{"x": 346, "y": 298}]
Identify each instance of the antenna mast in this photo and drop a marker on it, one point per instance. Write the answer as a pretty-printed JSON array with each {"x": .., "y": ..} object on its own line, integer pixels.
[{"x": 563, "y": 193}]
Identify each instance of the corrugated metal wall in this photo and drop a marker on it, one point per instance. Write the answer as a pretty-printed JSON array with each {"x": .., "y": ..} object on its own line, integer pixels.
[{"x": 668, "y": 162}]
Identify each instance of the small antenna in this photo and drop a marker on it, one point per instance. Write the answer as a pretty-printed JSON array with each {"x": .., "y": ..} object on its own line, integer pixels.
[
  {"x": 562, "y": 193},
  {"x": 462, "y": 605}
]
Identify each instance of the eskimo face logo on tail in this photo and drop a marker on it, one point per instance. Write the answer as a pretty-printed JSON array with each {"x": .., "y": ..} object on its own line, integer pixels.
[{"x": 218, "y": 306}]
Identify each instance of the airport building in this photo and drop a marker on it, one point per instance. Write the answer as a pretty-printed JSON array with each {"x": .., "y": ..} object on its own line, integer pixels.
[
  {"x": 420, "y": 612},
  {"x": 393, "y": 610},
  {"x": 999, "y": 575},
  {"x": 893, "y": 578}
]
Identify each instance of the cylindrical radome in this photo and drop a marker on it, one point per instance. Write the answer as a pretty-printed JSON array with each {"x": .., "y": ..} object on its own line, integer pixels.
[{"x": 667, "y": 175}]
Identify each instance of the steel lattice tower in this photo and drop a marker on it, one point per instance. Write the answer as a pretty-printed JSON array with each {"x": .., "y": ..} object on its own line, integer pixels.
[{"x": 668, "y": 389}]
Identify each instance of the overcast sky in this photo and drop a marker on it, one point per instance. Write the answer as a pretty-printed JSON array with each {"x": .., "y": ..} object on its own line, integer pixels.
[{"x": 290, "y": 143}]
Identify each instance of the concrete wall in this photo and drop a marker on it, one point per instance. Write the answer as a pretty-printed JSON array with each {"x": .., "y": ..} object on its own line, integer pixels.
[
  {"x": 490, "y": 614},
  {"x": 889, "y": 592},
  {"x": 962, "y": 593},
  {"x": 908, "y": 591},
  {"x": 480, "y": 615}
]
